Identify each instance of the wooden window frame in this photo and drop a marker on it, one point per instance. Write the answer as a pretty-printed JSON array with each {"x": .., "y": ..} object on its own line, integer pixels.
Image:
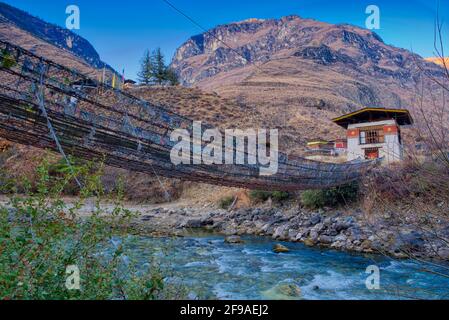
[{"x": 371, "y": 135}]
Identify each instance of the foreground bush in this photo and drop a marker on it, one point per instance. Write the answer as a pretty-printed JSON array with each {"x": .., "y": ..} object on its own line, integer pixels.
[
  {"x": 332, "y": 197},
  {"x": 44, "y": 244}
]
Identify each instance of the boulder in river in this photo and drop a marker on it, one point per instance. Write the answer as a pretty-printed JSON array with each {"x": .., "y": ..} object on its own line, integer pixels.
[
  {"x": 309, "y": 242},
  {"x": 233, "y": 240},
  {"x": 283, "y": 291},
  {"x": 279, "y": 248}
]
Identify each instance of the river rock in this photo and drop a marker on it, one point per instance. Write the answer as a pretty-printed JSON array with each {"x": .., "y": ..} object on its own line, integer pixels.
[
  {"x": 327, "y": 221},
  {"x": 355, "y": 233},
  {"x": 332, "y": 232},
  {"x": 325, "y": 239},
  {"x": 281, "y": 233},
  {"x": 146, "y": 218},
  {"x": 290, "y": 290},
  {"x": 233, "y": 240},
  {"x": 315, "y": 219},
  {"x": 193, "y": 224},
  {"x": 366, "y": 245},
  {"x": 314, "y": 236},
  {"x": 299, "y": 236},
  {"x": 265, "y": 227},
  {"x": 443, "y": 253},
  {"x": 319, "y": 228},
  {"x": 279, "y": 248},
  {"x": 409, "y": 241},
  {"x": 309, "y": 242},
  {"x": 284, "y": 291},
  {"x": 337, "y": 245},
  {"x": 341, "y": 238},
  {"x": 292, "y": 233}
]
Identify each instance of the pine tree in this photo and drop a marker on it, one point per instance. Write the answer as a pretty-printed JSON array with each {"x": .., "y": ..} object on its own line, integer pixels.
[
  {"x": 146, "y": 73},
  {"x": 171, "y": 77},
  {"x": 158, "y": 60},
  {"x": 154, "y": 71}
]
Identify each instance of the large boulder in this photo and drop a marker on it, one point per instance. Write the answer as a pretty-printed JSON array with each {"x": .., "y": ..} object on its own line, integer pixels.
[
  {"x": 279, "y": 248},
  {"x": 233, "y": 240},
  {"x": 411, "y": 241},
  {"x": 326, "y": 240},
  {"x": 343, "y": 225},
  {"x": 281, "y": 232},
  {"x": 309, "y": 242},
  {"x": 283, "y": 291}
]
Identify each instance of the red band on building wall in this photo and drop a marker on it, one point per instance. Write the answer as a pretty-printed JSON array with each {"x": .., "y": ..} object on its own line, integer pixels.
[
  {"x": 353, "y": 133},
  {"x": 390, "y": 130}
]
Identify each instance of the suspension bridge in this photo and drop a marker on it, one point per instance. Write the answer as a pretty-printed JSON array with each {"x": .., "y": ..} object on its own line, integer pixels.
[{"x": 50, "y": 106}]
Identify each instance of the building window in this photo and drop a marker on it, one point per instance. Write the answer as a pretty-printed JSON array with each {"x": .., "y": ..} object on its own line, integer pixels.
[
  {"x": 372, "y": 153},
  {"x": 372, "y": 135}
]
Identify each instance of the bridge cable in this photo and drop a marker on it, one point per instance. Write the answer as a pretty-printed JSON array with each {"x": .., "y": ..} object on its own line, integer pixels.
[{"x": 40, "y": 99}]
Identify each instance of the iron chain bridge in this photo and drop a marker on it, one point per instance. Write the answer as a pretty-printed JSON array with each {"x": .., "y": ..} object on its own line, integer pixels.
[{"x": 47, "y": 105}]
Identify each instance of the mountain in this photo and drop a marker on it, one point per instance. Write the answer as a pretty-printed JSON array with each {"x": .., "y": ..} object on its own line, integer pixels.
[
  {"x": 301, "y": 73},
  {"x": 62, "y": 45},
  {"x": 47, "y": 40},
  {"x": 439, "y": 61}
]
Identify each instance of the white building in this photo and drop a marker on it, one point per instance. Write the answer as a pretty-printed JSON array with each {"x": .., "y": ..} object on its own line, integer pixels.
[{"x": 375, "y": 133}]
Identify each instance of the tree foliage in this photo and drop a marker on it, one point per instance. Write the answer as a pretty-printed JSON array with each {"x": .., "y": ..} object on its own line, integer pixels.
[
  {"x": 154, "y": 71},
  {"x": 41, "y": 236},
  {"x": 332, "y": 197}
]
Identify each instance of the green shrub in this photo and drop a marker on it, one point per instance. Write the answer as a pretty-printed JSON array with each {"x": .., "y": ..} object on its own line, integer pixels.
[
  {"x": 8, "y": 60},
  {"x": 280, "y": 196},
  {"x": 259, "y": 195},
  {"x": 226, "y": 202},
  {"x": 262, "y": 196},
  {"x": 315, "y": 199},
  {"x": 40, "y": 236}
]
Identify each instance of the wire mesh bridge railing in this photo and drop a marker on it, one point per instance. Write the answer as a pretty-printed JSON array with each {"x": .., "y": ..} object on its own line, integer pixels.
[{"x": 47, "y": 105}]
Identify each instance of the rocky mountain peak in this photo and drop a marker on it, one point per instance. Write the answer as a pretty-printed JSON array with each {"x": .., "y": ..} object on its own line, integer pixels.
[
  {"x": 55, "y": 35},
  {"x": 301, "y": 72},
  {"x": 237, "y": 45}
]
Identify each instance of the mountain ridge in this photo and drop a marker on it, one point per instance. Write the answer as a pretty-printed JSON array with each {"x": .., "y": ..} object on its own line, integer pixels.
[
  {"x": 59, "y": 37},
  {"x": 301, "y": 73}
]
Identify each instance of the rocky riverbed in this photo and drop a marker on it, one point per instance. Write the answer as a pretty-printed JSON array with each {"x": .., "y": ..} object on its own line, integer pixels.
[
  {"x": 348, "y": 230},
  {"x": 335, "y": 229}
]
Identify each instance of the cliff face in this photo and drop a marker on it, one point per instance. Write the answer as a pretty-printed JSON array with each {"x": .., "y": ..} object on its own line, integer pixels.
[
  {"x": 23, "y": 29},
  {"x": 301, "y": 73},
  {"x": 236, "y": 45}
]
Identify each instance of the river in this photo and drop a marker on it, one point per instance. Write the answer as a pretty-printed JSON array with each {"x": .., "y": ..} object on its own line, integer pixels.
[{"x": 212, "y": 269}]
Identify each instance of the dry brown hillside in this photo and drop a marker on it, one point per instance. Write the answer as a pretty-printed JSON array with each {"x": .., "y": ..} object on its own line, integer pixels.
[
  {"x": 301, "y": 73},
  {"x": 21, "y": 38},
  {"x": 21, "y": 161},
  {"x": 18, "y": 160}
]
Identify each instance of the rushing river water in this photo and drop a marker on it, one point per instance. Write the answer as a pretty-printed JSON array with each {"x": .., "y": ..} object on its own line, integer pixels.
[{"x": 212, "y": 269}]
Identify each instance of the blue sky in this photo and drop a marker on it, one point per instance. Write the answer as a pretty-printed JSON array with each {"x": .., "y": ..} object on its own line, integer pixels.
[{"x": 122, "y": 30}]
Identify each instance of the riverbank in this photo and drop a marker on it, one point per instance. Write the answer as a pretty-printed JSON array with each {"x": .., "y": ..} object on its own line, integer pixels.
[{"x": 348, "y": 230}]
